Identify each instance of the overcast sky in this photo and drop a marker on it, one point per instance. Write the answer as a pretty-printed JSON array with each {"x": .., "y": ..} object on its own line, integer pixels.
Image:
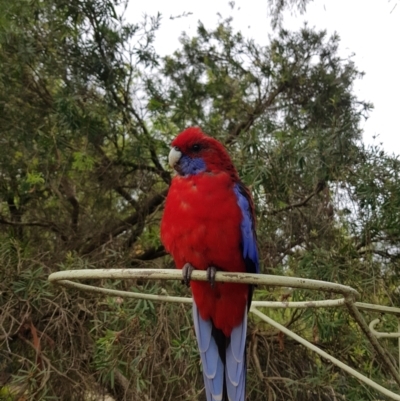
[{"x": 368, "y": 28}]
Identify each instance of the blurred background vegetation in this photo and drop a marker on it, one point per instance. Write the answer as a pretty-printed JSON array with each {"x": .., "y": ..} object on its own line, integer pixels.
[{"x": 87, "y": 112}]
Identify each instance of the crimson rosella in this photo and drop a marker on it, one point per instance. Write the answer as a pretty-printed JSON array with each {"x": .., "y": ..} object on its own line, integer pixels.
[{"x": 208, "y": 224}]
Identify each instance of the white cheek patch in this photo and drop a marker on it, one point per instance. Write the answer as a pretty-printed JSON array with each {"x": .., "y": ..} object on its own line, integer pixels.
[{"x": 174, "y": 156}]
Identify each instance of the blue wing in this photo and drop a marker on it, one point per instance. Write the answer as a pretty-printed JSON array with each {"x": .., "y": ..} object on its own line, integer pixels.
[{"x": 249, "y": 239}]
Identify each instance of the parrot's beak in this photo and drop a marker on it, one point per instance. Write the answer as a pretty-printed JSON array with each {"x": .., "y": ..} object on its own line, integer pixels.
[{"x": 173, "y": 158}]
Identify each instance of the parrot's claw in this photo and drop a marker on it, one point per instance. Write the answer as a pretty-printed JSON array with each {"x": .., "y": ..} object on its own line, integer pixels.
[
  {"x": 187, "y": 273},
  {"x": 211, "y": 272}
]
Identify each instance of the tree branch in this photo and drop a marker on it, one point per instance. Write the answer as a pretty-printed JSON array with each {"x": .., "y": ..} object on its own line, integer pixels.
[
  {"x": 135, "y": 166},
  {"x": 124, "y": 105},
  {"x": 150, "y": 254},
  {"x": 106, "y": 162},
  {"x": 50, "y": 226},
  {"x": 261, "y": 106},
  {"x": 319, "y": 187},
  {"x": 148, "y": 208},
  {"x": 383, "y": 254},
  {"x": 70, "y": 193}
]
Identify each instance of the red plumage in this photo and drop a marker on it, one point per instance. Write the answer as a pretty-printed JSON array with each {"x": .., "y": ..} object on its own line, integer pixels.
[{"x": 201, "y": 226}]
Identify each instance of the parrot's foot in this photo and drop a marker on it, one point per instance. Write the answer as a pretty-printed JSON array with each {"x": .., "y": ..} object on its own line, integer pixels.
[
  {"x": 187, "y": 273},
  {"x": 211, "y": 272}
]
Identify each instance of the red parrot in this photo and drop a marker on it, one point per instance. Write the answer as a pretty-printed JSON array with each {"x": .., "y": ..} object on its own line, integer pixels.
[{"x": 209, "y": 224}]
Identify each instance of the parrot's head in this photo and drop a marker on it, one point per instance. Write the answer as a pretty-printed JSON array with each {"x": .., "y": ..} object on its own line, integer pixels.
[{"x": 194, "y": 152}]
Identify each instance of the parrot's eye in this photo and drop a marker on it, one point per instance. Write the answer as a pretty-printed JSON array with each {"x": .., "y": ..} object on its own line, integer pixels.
[{"x": 196, "y": 147}]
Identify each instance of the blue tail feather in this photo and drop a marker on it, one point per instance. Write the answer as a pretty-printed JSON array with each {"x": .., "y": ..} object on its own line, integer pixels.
[
  {"x": 235, "y": 353},
  {"x": 224, "y": 365}
]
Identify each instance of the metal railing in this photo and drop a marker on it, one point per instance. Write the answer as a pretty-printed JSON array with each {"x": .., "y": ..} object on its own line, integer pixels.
[{"x": 348, "y": 299}]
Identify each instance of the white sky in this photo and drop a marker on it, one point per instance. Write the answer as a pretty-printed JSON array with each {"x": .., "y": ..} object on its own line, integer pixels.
[{"x": 368, "y": 28}]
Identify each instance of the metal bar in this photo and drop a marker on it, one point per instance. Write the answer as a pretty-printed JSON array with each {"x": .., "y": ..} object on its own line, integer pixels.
[
  {"x": 377, "y": 308},
  {"x": 64, "y": 277},
  {"x": 306, "y": 304},
  {"x": 175, "y": 274},
  {"x": 169, "y": 298},
  {"x": 381, "y": 334},
  {"x": 325, "y": 355},
  {"x": 125, "y": 294},
  {"x": 372, "y": 339}
]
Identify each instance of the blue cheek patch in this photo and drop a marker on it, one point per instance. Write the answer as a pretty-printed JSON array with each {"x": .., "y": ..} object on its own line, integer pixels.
[{"x": 191, "y": 166}]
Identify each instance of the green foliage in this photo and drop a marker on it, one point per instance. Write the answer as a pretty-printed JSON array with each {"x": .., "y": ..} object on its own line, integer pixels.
[
  {"x": 277, "y": 7},
  {"x": 87, "y": 111}
]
